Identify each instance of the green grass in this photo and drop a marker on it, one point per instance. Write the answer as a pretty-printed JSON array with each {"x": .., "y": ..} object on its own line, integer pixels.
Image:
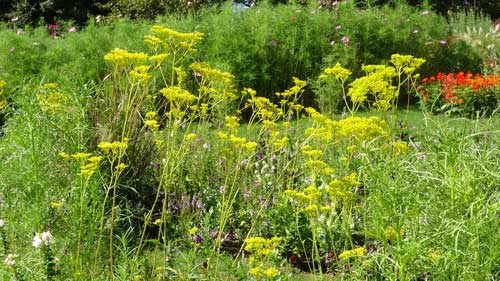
[{"x": 418, "y": 192}]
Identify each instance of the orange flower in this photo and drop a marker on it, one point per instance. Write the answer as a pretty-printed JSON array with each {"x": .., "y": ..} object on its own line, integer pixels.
[{"x": 460, "y": 101}]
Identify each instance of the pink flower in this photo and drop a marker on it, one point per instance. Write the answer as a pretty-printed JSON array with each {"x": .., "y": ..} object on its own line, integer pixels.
[
  {"x": 345, "y": 40},
  {"x": 53, "y": 26},
  {"x": 442, "y": 42},
  {"x": 72, "y": 29}
]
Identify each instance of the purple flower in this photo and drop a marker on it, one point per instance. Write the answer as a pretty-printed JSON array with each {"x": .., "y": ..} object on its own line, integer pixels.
[
  {"x": 345, "y": 40},
  {"x": 273, "y": 43},
  {"x": 197, "y": 239},
  {"x": 243, "y": 163}
]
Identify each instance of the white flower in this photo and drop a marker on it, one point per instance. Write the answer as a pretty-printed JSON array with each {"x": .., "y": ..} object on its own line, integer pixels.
[
  {"x": 45, "y": 238},
  {"x": 37, "y": 241},
  {"x": 10, "y": 260},
  {"x": 2, "y": 223}
]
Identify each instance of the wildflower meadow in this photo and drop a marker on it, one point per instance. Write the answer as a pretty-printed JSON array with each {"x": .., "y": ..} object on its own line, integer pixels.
[{"x": 297, "y": 141}]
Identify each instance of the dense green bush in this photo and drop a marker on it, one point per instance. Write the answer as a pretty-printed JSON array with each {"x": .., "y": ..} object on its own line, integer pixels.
[{"x": 32, "y": 12}]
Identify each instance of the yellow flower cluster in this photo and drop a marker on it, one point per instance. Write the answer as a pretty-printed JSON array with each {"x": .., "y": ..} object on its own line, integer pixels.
[
  {"x": 150, "y": 121},
  {"x": 400, "y": 146},
  {"x": 178, "y": 95},
  {"x": 3, "y": 101},
  {"x": 360, "y": 128},
  {"x": 167, "y": 33},
  {"x": 157, "y": 60},
  {"x": 259, "y": 272},
  {"x": 264, "y": 109},
  {"x": 232, "y": 122},
  {"x": 261, "y": 250},
  {"x": 140, "y": 74},
  {"x": 204, "y": 70},
  {"x": 309, "y": 194},
  {"x": 343, "y": 188},
  {"x": 295, "y": 90},
  {"x": 378, "y": 83},
  {"x": 114, "y": 149},
  {"x": 172, "y": 40},
  {"x": 51, "y": 99},
  {"x": 88, "y": 163},
  {"x": 311, "y": 152},
  {"x": 337, "y": 71},
  {"x": 357, "y": 252},
  {"x": 406, "y": 63},
  {"x": 122, "y": 59}
]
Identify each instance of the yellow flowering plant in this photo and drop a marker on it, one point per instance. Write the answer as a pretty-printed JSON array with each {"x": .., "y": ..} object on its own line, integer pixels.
[{"x": 377, "y": 88}]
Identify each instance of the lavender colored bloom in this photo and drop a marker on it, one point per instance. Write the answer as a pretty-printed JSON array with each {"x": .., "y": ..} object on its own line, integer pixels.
[
  {"x": 273, "y": 43},
  {"x": 197, "y": 239},
  {"x": 345, "y": 40},
  {"x": 243, "y": 163},
  {"x": 261, "y": 200},
  {"x": 259, "y": 156}
]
